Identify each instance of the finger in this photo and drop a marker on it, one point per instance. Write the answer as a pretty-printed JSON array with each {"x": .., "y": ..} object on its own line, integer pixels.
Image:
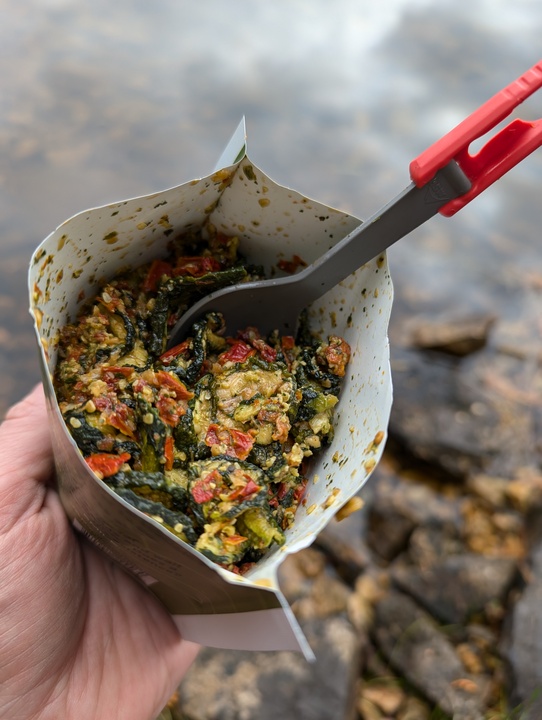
[{"x": 26, "y": 455}]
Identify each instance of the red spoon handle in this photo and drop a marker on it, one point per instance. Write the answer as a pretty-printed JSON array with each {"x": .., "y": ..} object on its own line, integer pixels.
[{"x": 504, "y": 150}]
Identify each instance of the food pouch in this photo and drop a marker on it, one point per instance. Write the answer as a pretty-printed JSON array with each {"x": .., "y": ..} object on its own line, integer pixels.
[{"x": 210, "y": 605}]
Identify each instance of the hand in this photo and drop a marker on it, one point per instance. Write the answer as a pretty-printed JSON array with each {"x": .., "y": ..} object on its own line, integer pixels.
[{"x": 79, "y": 638}]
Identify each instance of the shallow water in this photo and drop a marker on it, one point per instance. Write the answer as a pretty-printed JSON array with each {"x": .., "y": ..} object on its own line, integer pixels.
[{"x": 106, "y": 101}]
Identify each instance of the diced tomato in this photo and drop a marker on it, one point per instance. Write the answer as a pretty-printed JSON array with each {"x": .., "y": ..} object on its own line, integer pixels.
[
  {"x": 157, "y": 270},
  {"x": 172, "y": 383},
  {"x": 287, "y": 344},
  {"x": 196, "y": 266},
  {"x": 175, "y": 351},
  {"x": 290, "y": 266},
  {"x": 238, "y": 443},
  {"x": 252, "y": 336},
  {"x": 169, "y": 447},
  {"x": 283, "y": 490},
  {"x": 300, "y": 490},
  {"x": 169, "y": 410},
  {"x": 102, "y": 403},
  {"x": 244, "y": 490},
  {"x": 268, "y": 353},
  {"x": 121, "y": 417},
  {"x": 242, "y": 443},
  {"x": 239, "y": 352},
  {"x": 106, "y": 464},
  {"x": 123, "y": 370},
  {"x": 140, "y": 384},
  {"x": 337, "y": 354},
  {"x": 206, "y": 488},
  {"x": 233, "y": 539}
]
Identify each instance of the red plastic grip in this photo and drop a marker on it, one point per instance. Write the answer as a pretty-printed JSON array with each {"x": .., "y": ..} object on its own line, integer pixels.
[{"x": 504, "y": 150}]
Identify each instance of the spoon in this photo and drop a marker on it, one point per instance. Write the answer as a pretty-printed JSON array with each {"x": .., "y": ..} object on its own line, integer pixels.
[{"x": 445, "y": 177}]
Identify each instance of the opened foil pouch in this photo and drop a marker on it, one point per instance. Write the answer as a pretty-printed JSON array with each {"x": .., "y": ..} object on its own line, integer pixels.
[{"x": 199, "y": 509}]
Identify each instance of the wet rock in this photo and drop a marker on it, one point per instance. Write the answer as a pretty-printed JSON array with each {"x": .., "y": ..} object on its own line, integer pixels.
[
  {"x": 429, "y": 543},
  {"x": 455, "y": 336},
  {"x": 522, "y": 648},
  {"x": 491, "y": 488},
  {"x": 343, "y": 542},
  {"x": 226, "y": 685},
  {"x": 524, "y": 491},
  {"x": 414, "y": 645},
  {"x": 383, "y": 693},
  {"x": 521, "y": 642},
  {"x": 414, "y": 709},
  {"x": 458, "y": 586},
  {"x": 398, "y": 507},
  {"x": 466, "y": 416},
  {"x": 368, "y": 589}
]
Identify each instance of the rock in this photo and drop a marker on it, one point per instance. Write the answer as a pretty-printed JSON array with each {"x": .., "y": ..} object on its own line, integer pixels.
[
  {"x": 297, "y": 573},
  {"x": 455, "y": 336},
  {"x": 227, "y": 685},
  {"x": 490, "y": 488},
  {"x": 429, "y": 543},
  {"x": 464, "y": 416},
  {"x": 414, "y": 709},
  {"x": 398, "y": 507},
  {"x": 414, "y": 645},
  {"x": 343, "y": 541},
  {"x": 521, "y": 646},
  {"x": 386, "y": 694},
  {"x": 368, "y": 589},
  {"x": 234, "y": 685},
  {"x": 458, "y": 586},
  {"x": 328, "y": 596},
  {"x": 524, "y": 491},
  {"x": 521, "y": 641}
]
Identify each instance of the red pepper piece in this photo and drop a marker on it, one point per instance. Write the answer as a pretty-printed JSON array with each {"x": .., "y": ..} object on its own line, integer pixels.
[
  {"x": 157, "y": 270},
  {"x": 172, "y": 383},
  {"x": 106, "y": 464},
  {"x": 244, "y": 491},
  {"x": 290, "y": 266},
  {"x": 173, "y": 352},
  {"x": 169, "y": 447},
  {"x": 196, "y": 266},
  {"x": 121, "y": 417},
  {"x": 238, "y": 443},
  {"x": 206, "y": 488},
  {"x": 238, "y": 352},
  {"x": 337, "y": 354},
  {"x": 169, "y": 410}
]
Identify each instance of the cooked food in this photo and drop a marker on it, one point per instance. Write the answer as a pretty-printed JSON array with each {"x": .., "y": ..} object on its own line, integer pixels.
[{"x": 210, "y": 437}]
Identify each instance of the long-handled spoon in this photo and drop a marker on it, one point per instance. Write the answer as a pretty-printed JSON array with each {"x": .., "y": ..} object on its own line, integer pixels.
[{"x": 445, "y": 177}]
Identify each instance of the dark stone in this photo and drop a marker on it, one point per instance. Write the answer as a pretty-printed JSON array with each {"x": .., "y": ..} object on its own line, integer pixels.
[
  {"x": 454, "y": 336},
  {"x": 429, "y": 543},
  {"x": 416, "y": 648},
  {"x": 343, "y": 541},
  {"x": 521, "y": 647},
  {"x": 228, "y": 685},
  {"x": 455, "y": 414},
  {"x": 521, "y": 642},
  {"x": 234, "y": 685},
  {"x": 458, "y": 586},
  {"x": 398, "y": 507}
]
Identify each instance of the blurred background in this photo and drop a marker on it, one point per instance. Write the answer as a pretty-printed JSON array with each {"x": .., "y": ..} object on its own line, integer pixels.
[
  {"x": 104, "y": 101},
  {"x": 100, "y": 102}
]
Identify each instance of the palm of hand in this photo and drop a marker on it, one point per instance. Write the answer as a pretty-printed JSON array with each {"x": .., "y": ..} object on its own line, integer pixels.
[{"x": 78, "y": 636}]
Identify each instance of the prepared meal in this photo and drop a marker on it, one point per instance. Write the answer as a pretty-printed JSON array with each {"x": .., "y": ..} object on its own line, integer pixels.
[{"x": 209, "y": 438}]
